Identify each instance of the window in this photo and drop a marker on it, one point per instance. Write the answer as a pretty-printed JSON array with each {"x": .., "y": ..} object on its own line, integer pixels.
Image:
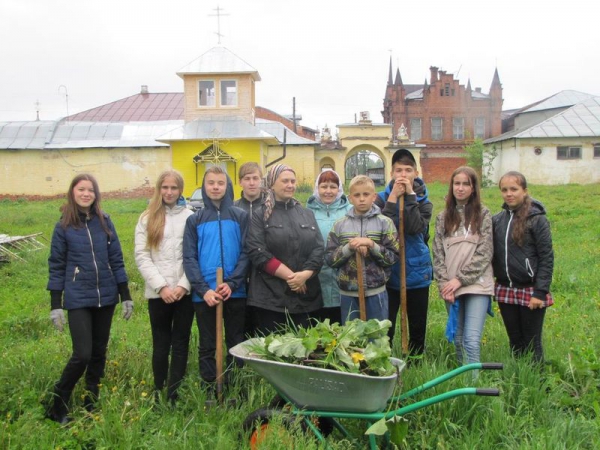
[
  {"x": 479, "y": 127},
  {"x": 436, "y": 129},
  {"x": 228, "y": 93},
  {"x": 596, "y": 150},
  {"x": 415, "y": 129},
  {"x": 206, "y": 93},
  {"x": 568, "y": 152},
  {"x": 458, "y": 128},
  {"x": 447, "y": 89}
]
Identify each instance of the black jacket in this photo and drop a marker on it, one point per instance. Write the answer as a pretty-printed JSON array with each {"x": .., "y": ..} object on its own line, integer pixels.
[
  {"x": 292, "y": 236},
  {"x": 529, "y": 265}
]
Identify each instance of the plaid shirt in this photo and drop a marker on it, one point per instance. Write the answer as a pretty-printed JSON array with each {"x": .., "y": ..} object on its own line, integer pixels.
[{"x": 519, "y": 296}]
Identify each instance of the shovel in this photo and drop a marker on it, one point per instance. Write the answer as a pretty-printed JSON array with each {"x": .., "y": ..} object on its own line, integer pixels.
[
  {"x": 402, "y": 257},
  {"x": 219, "y": 337},
  {"x": 362, "y": 307}
]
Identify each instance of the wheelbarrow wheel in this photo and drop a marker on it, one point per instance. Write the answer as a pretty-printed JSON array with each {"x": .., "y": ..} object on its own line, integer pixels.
[
  {"x": 324, "y": 424},
  {"x": 258, "y": 427}
]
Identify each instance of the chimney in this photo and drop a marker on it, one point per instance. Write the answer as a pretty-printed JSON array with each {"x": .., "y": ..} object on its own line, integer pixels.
[
  {"x": 144, "y": 89},
  {"x": 478, "y": 89},
  {"x": 434, "y": 74}
]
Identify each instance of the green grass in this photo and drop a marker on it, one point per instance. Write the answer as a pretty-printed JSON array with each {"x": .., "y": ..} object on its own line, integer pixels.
[{"x": 556, "y": 409}]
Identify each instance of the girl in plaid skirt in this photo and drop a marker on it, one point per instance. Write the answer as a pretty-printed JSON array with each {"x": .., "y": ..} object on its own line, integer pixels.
[{"x": 523, "y": 263}]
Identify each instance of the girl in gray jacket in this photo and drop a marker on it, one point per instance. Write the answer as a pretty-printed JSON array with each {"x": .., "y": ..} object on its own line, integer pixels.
[{"x": 462, "y": 263}]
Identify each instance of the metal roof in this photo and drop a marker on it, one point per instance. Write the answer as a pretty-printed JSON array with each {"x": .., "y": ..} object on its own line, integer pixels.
[
  {"x": 218, "y": 60},
  {"x": 136, "y": 108},
  {"x": 209, "y": 128},
  {"x": 580, "y": 120},
  {"x": 276, "y": 129},
  {"x": 31, "y": 135},
  {"x": 62, "y": 134},
  {"x": 561, "y": 100}
]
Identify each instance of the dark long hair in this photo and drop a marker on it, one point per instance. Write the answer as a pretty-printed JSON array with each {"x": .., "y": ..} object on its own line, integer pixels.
[
  {"x": 522, "y": 212},
  {"x": 70, "y": 211},
  {"x": 472, "y": 208}
]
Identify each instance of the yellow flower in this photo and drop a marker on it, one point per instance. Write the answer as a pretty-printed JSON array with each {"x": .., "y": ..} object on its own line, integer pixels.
[
  {"x": 357, "y": 357},
  {"x": 144, "y": 394},
  {"x": 329, "y": 347}
]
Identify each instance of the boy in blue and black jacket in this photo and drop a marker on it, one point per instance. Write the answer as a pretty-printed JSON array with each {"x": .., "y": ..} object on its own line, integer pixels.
[
  {"x": 417, "y": 265},
  {"x": 213, "y": 239}
]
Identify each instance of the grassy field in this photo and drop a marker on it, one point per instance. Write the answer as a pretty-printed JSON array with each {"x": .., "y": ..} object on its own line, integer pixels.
[{"x": 556, "y": 409}]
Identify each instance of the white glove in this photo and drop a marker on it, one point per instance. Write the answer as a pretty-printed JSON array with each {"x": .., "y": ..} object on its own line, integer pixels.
[
  {"x": 127, "y": 309},
  {"x": 58, "y": 319}
]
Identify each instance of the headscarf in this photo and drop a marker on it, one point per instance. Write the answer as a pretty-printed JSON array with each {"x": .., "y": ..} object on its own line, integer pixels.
[
  {"x": 339, "y": 183},
  {"x": 272, "y": 176}
]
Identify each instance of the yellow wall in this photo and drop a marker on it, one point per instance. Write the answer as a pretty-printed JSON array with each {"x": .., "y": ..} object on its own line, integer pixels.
[
  {"x": 184, "y": 152},
  {"x": 300, "y": 158},
  {"x": 49, "y": 172}
]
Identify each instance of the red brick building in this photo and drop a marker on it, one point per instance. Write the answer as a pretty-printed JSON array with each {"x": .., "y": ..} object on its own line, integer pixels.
[{"x": 444, "y": 115}]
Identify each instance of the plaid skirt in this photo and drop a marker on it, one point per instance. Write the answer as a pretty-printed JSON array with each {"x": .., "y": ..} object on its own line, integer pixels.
[{"x": 519, "y": 296}]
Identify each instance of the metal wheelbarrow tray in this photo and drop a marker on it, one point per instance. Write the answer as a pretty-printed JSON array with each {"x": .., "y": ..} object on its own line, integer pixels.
[{"x": 323, "y": 389}]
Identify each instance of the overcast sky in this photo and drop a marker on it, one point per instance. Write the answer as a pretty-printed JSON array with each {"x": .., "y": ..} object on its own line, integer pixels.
[{"x": 331, "y": 55}]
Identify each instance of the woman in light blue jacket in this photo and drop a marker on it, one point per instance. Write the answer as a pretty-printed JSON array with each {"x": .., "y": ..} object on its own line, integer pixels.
[{"x": 328, "y": 203}]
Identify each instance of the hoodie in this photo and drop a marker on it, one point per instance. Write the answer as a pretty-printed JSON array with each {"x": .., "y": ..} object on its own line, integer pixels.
[
  {"x": 417, "y": 214},
  {"x": 214, "y": 237}
]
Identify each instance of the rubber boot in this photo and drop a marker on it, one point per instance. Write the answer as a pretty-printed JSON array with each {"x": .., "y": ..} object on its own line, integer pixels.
[
  {"x": 59, "y": 410},
  {"x": 90, "y": 399}
]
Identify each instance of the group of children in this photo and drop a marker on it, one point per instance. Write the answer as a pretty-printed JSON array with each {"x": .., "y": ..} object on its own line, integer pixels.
[{"x": 283, "y": 262}]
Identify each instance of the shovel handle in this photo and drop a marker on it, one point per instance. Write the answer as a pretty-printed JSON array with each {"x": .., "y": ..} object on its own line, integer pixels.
[
  {"x": 362, "y": 307},
  {"x": 402, "y": 257},
  {"x": 219, "y": 339}
]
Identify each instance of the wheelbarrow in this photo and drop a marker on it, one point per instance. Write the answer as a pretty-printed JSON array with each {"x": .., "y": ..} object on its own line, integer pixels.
[{"x": 318, "y": 397}]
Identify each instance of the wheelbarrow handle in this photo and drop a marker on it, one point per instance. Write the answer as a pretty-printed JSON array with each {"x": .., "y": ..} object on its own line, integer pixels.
[
  {"x": 492, "y": 366},
  {"x": 488, "y": 392}
]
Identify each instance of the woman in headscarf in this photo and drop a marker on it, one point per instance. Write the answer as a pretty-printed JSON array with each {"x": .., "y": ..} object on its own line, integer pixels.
[
  {"x": 286, "y": 249},
  {"x": 328, "y": 203}
]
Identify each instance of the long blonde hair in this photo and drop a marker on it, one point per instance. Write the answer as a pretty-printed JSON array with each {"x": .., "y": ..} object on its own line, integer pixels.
[{"x": 155, "y": 212}]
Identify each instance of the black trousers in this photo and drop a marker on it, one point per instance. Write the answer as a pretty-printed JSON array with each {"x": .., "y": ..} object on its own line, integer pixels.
[
  {"x": 524, "y": 329},
  {"x": 171, "y": 325},
  {"x": 267, "y": 321},
  {"x": 417, "y": 305},
  {"x": 234, "y": 311},
  {"x": 90, "y": 331}
]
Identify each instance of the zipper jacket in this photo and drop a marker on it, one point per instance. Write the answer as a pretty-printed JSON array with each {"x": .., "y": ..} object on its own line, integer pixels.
[
  {"x": 86, "y": 264},
  {"x": 326, "y": 216},
  {"x": 214, "y": 237},
  {"x": 380, "y": 258},
  {"x": 417, "y": 214},
  {"x": 162, "y": 266},
  {"x": 466, "y": 255},
  {"x": 292, "y": 236},
  {"x": 529, "y": 265},
  {"x": 250, "y": 206}
]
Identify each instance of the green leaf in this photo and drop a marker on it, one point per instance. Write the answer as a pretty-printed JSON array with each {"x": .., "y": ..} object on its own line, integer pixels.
[
  {"x": 398, "y": 428},
  {"x": 379, "y": 428}
]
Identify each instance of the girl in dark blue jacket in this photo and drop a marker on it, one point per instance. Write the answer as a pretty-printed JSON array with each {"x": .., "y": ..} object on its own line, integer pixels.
[{"x": 87, "y": 276}]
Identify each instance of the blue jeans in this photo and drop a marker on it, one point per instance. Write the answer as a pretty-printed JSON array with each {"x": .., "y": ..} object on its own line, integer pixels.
[
  {"x": 376, "y": 305},
  {"x": 471, "y": 319}
]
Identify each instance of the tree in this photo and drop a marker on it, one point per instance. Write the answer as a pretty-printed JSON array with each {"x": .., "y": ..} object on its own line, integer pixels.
[{"x": 481, "y": 158}]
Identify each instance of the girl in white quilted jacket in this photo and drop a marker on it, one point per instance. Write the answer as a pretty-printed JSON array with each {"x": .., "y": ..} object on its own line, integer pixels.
[{"x": 159, "y": 257}]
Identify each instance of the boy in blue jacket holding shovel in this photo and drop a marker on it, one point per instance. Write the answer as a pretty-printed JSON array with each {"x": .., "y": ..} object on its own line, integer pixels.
[{"x": 213, "y": 239}]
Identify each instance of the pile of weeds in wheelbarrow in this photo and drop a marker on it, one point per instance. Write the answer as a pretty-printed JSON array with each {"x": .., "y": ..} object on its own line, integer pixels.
[{"x": 361, "y": 347}]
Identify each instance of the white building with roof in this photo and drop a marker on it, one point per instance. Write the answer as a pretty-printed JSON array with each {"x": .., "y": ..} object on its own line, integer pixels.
[{"x": 553, "y": 141}]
